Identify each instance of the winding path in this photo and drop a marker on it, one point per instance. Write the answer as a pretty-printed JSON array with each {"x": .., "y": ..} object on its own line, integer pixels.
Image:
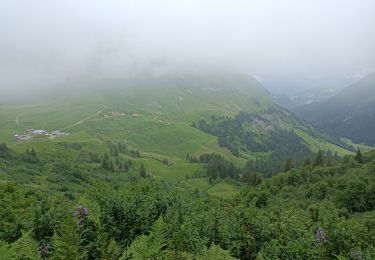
[
  {"x": 18, "y": 120},
  {"x": 86, "y": 118}
]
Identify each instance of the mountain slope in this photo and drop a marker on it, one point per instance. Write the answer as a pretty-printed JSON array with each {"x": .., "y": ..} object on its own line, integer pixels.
[
  {"x": 349, "y": 114},
  {"x": 152, "y": 114},
  {"x": 306, "y": 97}
]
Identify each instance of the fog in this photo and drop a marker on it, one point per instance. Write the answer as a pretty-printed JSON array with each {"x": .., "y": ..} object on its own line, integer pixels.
[{"x": 288, "y": 45}]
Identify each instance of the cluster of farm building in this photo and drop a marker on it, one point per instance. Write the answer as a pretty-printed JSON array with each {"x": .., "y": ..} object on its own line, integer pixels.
[{"x": 30, "y": 133}]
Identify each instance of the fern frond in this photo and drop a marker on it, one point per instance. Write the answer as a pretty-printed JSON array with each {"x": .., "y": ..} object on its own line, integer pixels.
[
  {"x": 158, "y": 236},
  {"x": 94, "y": 208},
  {"x": 26, "y": 248},
  {"x": 149, "y": 247},
  {"x": 178, "y": 255},
  {"x": 111, "y": 251},
  {"x": 215, "y": 252},
  {"x": 6, "y": 251},
  {"x": 67, "y": 242},
  {"x": 137, "y": 249}
]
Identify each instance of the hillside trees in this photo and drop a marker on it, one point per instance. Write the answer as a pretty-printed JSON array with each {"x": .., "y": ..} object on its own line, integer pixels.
[
  {"x": 288, "y": 165},
  {"x": 358, "y": 157},
  {"x": 142, "y": 171},
  {"x": 319, "y": 160},
  {"x": 30, "y": 156},
  {"x": 257, "y": 132},
  {"x": 4, "y": 151},
  {"x": 217, "y": 166},
  {"x": 107, "y": 163}
]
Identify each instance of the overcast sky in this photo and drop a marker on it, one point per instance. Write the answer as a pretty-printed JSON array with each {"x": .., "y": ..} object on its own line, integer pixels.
[{"x": 289, "y": 45}]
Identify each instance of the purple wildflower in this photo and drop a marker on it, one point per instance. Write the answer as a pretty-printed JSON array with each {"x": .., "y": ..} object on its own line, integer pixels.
[
  {"x": 320, "y": 237},
  {"x": 44, "y": 250},
  {"x": 81, "y": 213},
  {"x": 356, "y": 254}
]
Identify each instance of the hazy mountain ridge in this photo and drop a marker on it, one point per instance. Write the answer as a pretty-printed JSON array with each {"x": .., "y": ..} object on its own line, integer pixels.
[
  {"x": 349, "y": 114},
  {"x": 306, "y": 97}
]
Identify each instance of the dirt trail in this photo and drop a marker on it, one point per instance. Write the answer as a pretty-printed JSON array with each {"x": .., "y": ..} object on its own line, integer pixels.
[
  {"x": 86, "y": 118},
  {"x": 156, "y": 119},
  {"x": 18, "y": 120}
]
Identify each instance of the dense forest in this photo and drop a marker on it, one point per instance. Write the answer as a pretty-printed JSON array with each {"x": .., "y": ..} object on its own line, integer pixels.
[
  {"x": 323, "y": 209},
  {"x": 262, "y": 132}
]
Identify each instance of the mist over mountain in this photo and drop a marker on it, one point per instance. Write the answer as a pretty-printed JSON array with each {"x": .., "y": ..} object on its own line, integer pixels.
[
  {"x": 349, "y": 114},
  {"x": 306, "y": 97},
  {"x": 187, "y": 129},
  {"x": 292, "y": 46}
]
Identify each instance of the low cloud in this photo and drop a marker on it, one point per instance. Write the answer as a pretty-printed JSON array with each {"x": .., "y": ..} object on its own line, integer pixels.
[{"x": 47, "y": 42}]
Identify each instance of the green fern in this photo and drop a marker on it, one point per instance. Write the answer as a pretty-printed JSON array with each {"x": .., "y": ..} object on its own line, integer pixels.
[
  {"x": 215, "y": 252},
  {"x": 67, "y": 242},
  {"x": 111, "y": 251},
  {"x": 94, "y": 208},
  {"x": 149, "y": 247},
  {"x": 178, "y": 255},
  {"x": 26, "y": 248},
  {"x": 108, "y": 247},
  {"x": 6, "y": 251}
]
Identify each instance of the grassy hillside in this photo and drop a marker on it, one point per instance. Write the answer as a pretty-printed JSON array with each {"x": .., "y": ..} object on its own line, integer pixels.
[{"x": 151, "y": 114}]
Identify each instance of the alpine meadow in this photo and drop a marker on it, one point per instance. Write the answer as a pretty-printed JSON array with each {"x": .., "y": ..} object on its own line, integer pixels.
[{"x": 187, "y": 130}]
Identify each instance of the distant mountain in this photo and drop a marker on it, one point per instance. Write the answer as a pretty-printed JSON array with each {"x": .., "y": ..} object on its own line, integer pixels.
[
  {"x": 349, "y": 114},
  {"x": 306, "y": 97}
]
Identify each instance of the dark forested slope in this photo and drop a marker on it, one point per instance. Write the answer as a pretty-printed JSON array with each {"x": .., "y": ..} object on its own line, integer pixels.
[{"x": 349, "y": 114}]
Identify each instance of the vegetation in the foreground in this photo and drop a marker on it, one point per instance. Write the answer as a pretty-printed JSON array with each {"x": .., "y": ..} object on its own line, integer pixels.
[{"x": 323, "y": 209}]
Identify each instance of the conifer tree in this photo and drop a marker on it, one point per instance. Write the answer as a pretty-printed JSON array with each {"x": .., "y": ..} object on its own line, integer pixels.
[
  {"x": 4, "y": 150},
  {"x": 319, "y": 160},
  {"x": 307, "y": 162},
  {"x": 34, "y": 156},
  {"x": 358, "y": 156},
  {"x": 289, "y": 165},
  {"x": 106, "y": 162},
  {"x": 142, "y": 171},
  {"x": 111, "y": 167}
]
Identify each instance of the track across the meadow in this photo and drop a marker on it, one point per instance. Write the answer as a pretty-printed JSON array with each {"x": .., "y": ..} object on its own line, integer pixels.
[
  {"x": 157, "y": 119},
  {"x": 86, "y": 118},
  {"x": 18, "y": 123}
]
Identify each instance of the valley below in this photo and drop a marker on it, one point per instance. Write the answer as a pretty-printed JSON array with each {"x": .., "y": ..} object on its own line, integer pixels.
[{"x": 155, "y": 157}]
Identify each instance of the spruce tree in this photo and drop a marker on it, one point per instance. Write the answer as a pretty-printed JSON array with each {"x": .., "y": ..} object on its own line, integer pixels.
[
  {"x": 307, "y": 162},
  {"x": 358, "y": 156},
  {"x": 319, "y": 160},
  {"x": 142, "y": 171},
  {"x": 4, "y": 150},
  {"x": 288, "y": 165},
  {"x": 111, "y": 167},
  {"x": 33, "y": 156},
  {"x": 105, "y": 162}
]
